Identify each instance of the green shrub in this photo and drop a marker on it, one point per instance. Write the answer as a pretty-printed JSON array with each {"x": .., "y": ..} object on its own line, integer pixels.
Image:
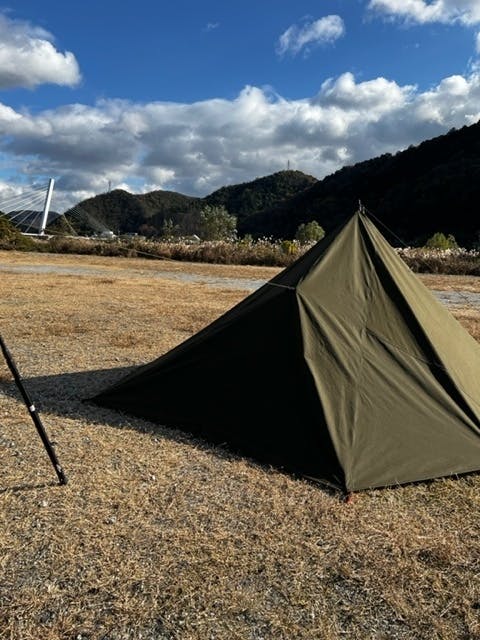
[
  {"x": 309, "y": 232},
  {"x": 289, "y": 247},
  {"x": 217, "y": 224},
  {"x": 441, "y": 241}
]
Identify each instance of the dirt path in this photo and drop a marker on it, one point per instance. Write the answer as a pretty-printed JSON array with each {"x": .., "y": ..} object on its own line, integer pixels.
[{"x": 452, "y": 298}]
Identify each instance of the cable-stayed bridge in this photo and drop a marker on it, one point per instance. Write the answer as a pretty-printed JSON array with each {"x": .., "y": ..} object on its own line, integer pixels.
[{"x": 30, "y": 211}]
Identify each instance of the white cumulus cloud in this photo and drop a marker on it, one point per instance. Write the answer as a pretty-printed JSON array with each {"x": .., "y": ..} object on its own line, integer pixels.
[
  {"x": 323, "y": 31},
  {"x": 465, "y": 12},
  {"x": 372, "y": 96},
  {"x": 28, "y": 57},
  {"x": 195, "y": 148}
]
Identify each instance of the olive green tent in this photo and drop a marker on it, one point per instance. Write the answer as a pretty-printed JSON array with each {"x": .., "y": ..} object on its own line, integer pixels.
[{"x": 343, "y": 368}]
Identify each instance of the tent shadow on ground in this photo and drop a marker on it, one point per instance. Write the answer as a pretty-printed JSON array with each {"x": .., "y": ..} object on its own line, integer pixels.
[{"x": 68, "y": 395}]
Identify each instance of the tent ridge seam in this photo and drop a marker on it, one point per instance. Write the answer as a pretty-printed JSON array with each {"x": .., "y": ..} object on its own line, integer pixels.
[
  {"x": 424, "y": 360},
  {"x": 407, "y": 353}
]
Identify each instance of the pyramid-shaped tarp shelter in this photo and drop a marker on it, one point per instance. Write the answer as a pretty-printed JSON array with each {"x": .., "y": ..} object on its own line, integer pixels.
[{"x": 343, "y": 368}]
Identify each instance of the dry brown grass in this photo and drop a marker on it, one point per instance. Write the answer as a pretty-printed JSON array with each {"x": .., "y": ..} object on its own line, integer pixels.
[
  {"x": 450, "y": 282},
  {"x": 158, "y": 536}
]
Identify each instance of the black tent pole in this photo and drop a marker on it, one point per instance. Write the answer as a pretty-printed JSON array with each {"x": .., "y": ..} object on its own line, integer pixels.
[{"x": 33, "y": 413}]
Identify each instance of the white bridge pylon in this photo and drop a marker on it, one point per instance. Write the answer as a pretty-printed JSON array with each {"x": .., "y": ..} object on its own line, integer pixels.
[{"x": 46, "y": 207}]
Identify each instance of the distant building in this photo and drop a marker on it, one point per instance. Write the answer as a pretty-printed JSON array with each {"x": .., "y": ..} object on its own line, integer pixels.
[{"x": 107, "y": 234}]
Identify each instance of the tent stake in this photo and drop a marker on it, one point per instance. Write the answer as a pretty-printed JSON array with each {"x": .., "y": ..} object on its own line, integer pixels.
[{"x": 33, "y": 413}]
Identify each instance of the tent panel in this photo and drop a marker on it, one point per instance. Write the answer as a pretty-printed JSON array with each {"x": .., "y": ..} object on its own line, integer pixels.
[
  {"x": 407, "y": 425},
  {"x": 247, "y": 386}
]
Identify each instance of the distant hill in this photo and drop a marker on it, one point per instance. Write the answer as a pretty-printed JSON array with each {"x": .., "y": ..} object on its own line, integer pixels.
[
  {"x": 123, "y": 212},
  {"x": 29, "y": 220},
  {"x": 242, "y": 200},
  {"x": 434, "y": 186}
]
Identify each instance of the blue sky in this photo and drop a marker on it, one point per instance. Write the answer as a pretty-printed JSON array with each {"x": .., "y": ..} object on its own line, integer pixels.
[{"x": 191, "y": 96}]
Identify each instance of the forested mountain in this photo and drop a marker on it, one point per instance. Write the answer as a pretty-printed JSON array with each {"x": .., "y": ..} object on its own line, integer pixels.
[
  {"x": 242, "y": 200},
  {"x": 30, "y": 220},
  {"x": 123, "y": 212},
  {"x": 432, "y": 187}
]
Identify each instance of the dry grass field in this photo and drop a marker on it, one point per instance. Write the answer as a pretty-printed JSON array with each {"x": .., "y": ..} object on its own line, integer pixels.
[{"x": 158, "y": 536}]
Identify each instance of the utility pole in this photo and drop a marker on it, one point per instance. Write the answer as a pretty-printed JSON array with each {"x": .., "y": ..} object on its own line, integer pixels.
[{"x": 46, "y": 206}]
